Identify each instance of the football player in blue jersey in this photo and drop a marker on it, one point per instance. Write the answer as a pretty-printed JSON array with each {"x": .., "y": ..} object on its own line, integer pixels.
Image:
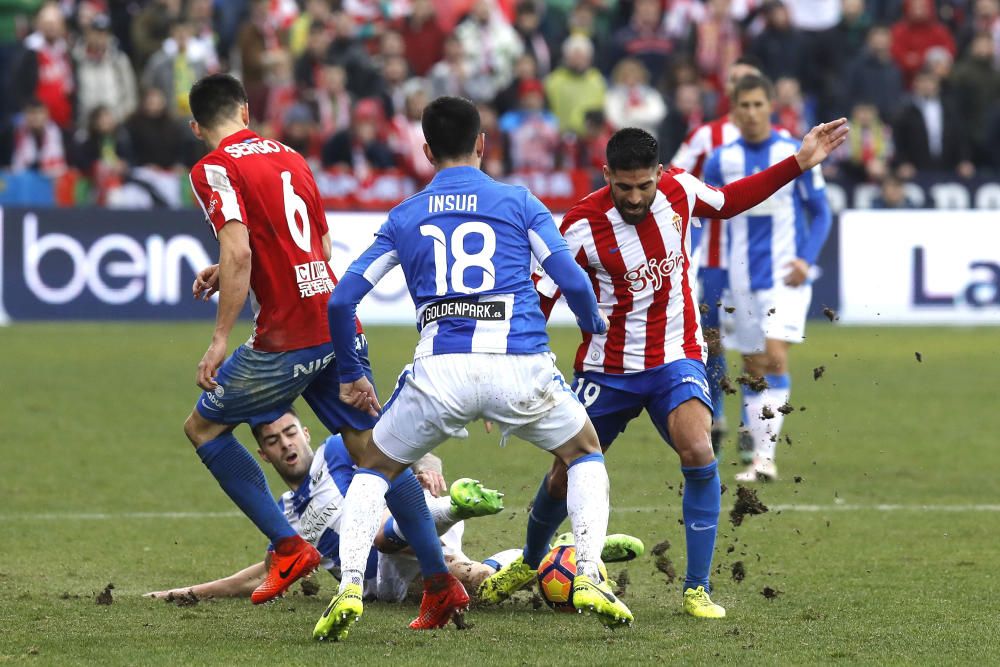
[
  {"x": 773, "y": 250},
  {"x": 465, "y": 244}
]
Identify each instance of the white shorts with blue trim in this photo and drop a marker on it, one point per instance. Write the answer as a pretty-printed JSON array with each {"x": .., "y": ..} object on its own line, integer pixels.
[
  {"x": 778, "y": 313},
  {"x": 437, "y": 396}
]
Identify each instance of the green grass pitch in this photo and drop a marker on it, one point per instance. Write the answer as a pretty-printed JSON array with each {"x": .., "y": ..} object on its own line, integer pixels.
[{"x": 884, "y": 552}]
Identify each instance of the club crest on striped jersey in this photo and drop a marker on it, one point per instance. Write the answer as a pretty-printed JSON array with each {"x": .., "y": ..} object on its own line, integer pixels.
[{"x": 678, "y": 221}]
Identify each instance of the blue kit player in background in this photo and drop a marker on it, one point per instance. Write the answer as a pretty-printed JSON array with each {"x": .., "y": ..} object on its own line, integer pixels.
[
  {"x": 772, "y": 251},
  {"x": 465, "y": 244},
  {"x": 262, "y": 202}
]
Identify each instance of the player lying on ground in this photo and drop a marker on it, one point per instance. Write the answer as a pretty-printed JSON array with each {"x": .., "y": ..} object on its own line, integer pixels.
[
  {"x": 771, "y": 251},
  {"x": 465, "y": 244},
  {"x": 263, "y": 205},
  {"x": 632, "y": 236},
  {"x": 314, "y": 507}
]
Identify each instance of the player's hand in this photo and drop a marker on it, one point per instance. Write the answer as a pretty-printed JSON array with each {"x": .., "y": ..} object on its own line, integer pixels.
[
  {"x": 488, "y": 425},
  {"x": 209, "y": 364},
  {"x": 607, "y": 324},
  {"x": 433, "y": 481},
  {"x": 820, "y": 142},
  {"x": 798, "y": 272},
  {"x": 206, "y": 283},
  {"x": 360, "y": 395}
]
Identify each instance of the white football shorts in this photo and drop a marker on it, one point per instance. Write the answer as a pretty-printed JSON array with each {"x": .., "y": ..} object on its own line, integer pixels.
[
  {"x": 778, "y": 313},
  {"x": 437, "y": 396}
]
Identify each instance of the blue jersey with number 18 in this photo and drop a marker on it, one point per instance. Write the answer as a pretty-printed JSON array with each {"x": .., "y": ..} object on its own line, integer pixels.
[{"x": 465, "y": 244}]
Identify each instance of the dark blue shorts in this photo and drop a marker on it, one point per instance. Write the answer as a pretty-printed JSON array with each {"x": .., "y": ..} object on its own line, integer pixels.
[
  {"x": 612, "y": 401},
  {"x": 257, "y": 387},
  {"x": 713, "y": 282}
]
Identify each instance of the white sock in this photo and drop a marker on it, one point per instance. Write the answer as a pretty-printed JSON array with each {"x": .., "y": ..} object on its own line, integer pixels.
[
  {"x": 442, "y": 512},
  {"x": 364, "y": 505},
  {"x": 765, "y": 432},
  {"x": 502, "y": 559},
  {"x": 588, "y": 505}
]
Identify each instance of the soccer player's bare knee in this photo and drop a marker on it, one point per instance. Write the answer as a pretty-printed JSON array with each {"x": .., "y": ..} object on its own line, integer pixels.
[
  {"x": 583, "y": 443},
  {"x": 558, "y": 481},
  {"x": 199, "y": 430},
  {"x": 777, "y": 356},
  {"x": 356, "y": 442},
  {"x": 690, "y": 426},
  {"x": 375, "y": 459}
]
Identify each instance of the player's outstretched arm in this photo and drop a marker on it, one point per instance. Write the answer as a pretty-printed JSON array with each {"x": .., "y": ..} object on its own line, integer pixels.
[
  {"x": 355, "y": 389},
  {"x": 742, "y": 195},
  {"x": 233, "y": 286},
  {"x": 576, "y": 287},
  {"x": 238, "y": 585}
]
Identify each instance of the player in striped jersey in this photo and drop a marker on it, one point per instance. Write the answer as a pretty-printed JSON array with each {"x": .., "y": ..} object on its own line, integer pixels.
[
  {"x": 771, "y": 251},
  {"x": 709, "y": 253},
  {"x": 314, "y": 508},
  {"x": 633, "y": 239},
  {"x": 465, "y": 244}
]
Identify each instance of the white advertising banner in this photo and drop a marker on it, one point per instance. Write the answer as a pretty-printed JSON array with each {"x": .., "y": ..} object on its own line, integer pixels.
[
  {"x": 389, "y": 303},
  {"x": 920, "y": 267}
]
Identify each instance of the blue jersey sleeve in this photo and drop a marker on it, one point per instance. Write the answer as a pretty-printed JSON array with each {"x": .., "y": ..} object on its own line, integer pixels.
[
  {"x": 543, "y": 234},
  {"x": 810, "y": 189},
  {"x": 712, "y": 174},
  {"x": 338, "y": 462},
  {"x": 576, "y": 287}
]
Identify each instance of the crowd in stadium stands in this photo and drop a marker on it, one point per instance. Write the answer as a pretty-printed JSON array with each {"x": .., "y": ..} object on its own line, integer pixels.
[{"x": 98, "y": 88}]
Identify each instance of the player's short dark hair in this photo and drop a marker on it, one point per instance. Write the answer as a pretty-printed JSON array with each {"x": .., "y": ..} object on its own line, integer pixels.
[
  {"x": 451, "y": 126},
  {"x": 257, "y": 428},
  {"x": 215, "y": 98},
  {"x": 749, "y": 61},
  {"x": 753, "y": 82},
  {"x": 631, "y": 148}
]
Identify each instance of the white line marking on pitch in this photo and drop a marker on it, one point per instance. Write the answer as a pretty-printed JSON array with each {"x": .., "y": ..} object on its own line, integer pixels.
[{"x": 842, "y": 507}]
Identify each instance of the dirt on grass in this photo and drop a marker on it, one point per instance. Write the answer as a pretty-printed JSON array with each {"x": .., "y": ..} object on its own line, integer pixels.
[{"x": 747, "y": 503}]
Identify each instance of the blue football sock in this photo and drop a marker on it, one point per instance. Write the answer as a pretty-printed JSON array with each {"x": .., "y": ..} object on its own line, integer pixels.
[
  {"x": 241, "y": 478},
  {"x": 701, "y": 506},
  {"x": 717, "y": 371},
  {"x": 543, "y": 521},
  {"x": 405, "y": 500}
]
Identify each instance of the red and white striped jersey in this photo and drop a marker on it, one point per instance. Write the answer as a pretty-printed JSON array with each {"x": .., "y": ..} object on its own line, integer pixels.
[
  {"x": 641, "y": 276},
  {"x": 691, "y": 157}
]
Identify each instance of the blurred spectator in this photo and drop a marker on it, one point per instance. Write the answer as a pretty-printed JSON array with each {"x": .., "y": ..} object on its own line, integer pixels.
[
  {"x": 347, "y": 50},
  {"x": 914, "y": 34},
  {"x": 395, "y": 73},
  {"x": 630, "y": 102},
  {"x": 866, "y": 154},
  {"x": 494, "y": 158},
  {"x": 202, "y": 42},
  {"x": 104, "y": 73},
  {"x": 423, "y": 37},
  {"x": 490, "y": 44},
  {"x": 524, "y": 69},
  {"x": 454, "y": 76},
  {"x": 175, "y": 68},
  {"x": 256, "y": 41},
  {"x": 102, "y": 152},
  {"x": 282, "y": 93},
  {"x": 840, "y": 48},
  {"x": 685, "y": 114},
  {"x": 532, "y": 132},
  {"x": 781, "y": 48},
  {"x": 38, "y": 143},
  {"x": 406, "y": 135},
  {"x": 527, "y": 23},
  {"x": 390, "y": 45},
  {"x": 874, "y": 75},
  {"x": 791, "y": 112},
  {"x": 318, "y": 15},
  {"x": 976, "y": 84},
  {"x": 362, "y": 147},
  {"x": 814, "y": 15},
  {"x": 151, "y": 27},
  {"x": 591, "y": 147},
  {"x": 718, "y": 42},
  {"x": 157, "y": 140},
  {"x": 45, "y": 71},
  {"x": 850, "y": 34},
  {"x": 332, "y": 101},
  {"x": 310, "y": 62},
  {"x": 645, "y": 38},
  {"x": 583, "y": 20},
  {"x": 373, "y": 15},
  {"x": 985, "y": 19},
  {"x": 928, "y": 133},
  {"x": 682, "y": 17},
  {"x": 939, "y": 62},
  {"x": 892, "y": 195},
  {"x": 299, "y": 131},
  {"x": 576, "y": 87},
  {"x": 15, "y": 17}
]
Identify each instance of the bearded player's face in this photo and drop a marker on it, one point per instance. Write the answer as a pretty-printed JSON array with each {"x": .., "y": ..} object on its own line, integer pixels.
[{"x": 633, "y": 191}]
